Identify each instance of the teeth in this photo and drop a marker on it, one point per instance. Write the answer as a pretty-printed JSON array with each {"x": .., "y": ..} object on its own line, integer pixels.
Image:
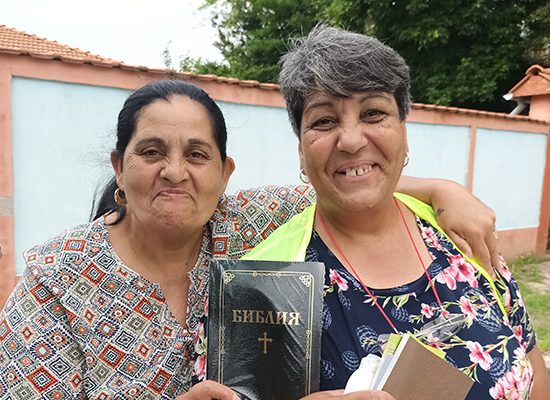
[{"x": 358, "y": 171}]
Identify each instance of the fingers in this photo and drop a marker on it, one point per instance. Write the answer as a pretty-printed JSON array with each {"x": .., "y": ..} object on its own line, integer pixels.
[
  {"x": 209, "y": 390},
  {"x": 326, "y": 394},
  {"x": 369, "y": 395},
  {"x": 482, "y": 250},
  {"x": 362, "y": 395},
  {"x": 481, "y": 253},
  {"x": 493, "y": 250},
  {"x": 460, "y": 243},
  {"x": 485, "y": 261}
]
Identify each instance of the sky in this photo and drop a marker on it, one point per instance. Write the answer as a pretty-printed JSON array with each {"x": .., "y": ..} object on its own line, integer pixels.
[{"x": 133, "y": 31}]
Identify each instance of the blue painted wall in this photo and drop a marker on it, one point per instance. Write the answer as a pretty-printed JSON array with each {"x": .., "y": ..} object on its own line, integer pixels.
[
  {"x": 508, "y": 175},
  {"x": 62, "y": 135},
  {"x": 438, "y": 151},
  {"x": 263, "y": 145}
]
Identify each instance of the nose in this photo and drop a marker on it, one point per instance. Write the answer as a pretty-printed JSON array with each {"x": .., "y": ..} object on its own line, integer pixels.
[
  {"x": 352, "y": 137},
  {"x": 175, "y": 170}
]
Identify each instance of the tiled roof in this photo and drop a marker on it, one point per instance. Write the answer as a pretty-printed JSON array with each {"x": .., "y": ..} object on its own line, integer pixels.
[
  {"x": 13, "y": 41},
  {"x": 457, "y": 110},
  {"x": 18, "y": 42},
  {"x": 536, "y": 82}
]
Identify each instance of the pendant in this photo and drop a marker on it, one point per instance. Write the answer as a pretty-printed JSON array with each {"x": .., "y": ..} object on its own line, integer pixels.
[{"x": 442, "y": 328}]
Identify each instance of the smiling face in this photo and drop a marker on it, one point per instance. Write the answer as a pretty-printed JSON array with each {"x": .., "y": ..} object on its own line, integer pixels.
[
  {"x": 172, "y": 172},
  {"x": 352, "y": 149}
]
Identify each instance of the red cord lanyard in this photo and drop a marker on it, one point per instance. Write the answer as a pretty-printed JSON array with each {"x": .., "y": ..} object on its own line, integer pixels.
[{"x": 365, "y": 288}]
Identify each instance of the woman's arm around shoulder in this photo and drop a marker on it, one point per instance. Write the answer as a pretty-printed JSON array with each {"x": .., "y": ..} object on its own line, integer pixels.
[{"x": 469, "y": 223}]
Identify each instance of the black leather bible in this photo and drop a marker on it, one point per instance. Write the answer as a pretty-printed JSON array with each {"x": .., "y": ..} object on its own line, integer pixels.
[{"x": 264, "y": 327}]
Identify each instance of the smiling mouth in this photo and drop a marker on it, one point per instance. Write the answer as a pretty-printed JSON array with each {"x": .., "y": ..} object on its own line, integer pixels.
[
  {"x": 357, "y": 171},
  {"x": 173, "y": 193}
]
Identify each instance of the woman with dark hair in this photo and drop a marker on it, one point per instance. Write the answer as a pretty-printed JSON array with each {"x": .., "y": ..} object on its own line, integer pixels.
[{"x": 116, "y": 308}]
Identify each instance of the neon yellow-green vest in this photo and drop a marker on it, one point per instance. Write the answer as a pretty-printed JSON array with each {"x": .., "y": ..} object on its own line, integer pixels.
[{"x": 289, "y": 242}]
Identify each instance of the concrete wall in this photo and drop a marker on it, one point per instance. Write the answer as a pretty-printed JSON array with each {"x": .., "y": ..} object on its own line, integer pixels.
[
  {"x": 261, "y": 141},
  {"x": 438, "y": 151},
  {"x": 62, "y": 135},
  {"x": 509, "y": 175}
]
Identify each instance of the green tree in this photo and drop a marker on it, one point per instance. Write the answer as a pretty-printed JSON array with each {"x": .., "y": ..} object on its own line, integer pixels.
[
  {"x": 253, "y": 34},
  {"x": 464, "y": 53},
  {"x": 537, "y": 36}
]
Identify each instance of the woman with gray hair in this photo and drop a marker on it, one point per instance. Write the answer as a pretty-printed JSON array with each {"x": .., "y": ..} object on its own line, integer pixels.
[{"x": 390, "y": 268}]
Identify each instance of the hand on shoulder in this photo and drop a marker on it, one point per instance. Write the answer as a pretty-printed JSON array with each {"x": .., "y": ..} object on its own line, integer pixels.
[{"x": 469, "y": 223}]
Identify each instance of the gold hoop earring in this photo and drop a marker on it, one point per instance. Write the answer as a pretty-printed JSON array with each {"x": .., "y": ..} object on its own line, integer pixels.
[
  {"x": 304, "y": 178},
  {"x": 120, "y": 197},
  {"x": 406, "y": 159}
]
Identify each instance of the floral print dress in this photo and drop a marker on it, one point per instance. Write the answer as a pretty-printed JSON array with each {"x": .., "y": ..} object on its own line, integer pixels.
[{"x": 489, "y": 348}]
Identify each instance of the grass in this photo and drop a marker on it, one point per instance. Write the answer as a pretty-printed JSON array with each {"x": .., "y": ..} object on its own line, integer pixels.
[{"x": 527, "y": 272}]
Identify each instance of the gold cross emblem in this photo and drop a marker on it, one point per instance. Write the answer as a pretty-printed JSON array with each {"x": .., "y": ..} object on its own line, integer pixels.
[{"x": 265, "y": 339}]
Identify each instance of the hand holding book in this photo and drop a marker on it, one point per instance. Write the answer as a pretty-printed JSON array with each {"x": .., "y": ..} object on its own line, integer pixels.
[
  {"x": 209, "y": 390},
  {"x": 339, "y": 394}
]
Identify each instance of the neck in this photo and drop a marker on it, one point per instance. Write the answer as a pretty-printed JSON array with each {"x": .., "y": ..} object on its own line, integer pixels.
[
  {"x": 374, "y": 221},
  {"x": 161, "y": 255},
  {"x": 377, "y": 249}
]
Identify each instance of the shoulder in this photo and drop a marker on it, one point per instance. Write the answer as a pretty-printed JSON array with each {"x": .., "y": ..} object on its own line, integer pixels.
[
  {"x": 70, "y": 249},
  {"x": 251, "y": 215},
  {"x": 271, "y": 203},
  {"x": 263, "y": 194}
]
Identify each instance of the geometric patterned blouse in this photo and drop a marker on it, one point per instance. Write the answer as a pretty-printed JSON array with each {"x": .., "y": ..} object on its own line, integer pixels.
[
  {"x": 486, "y": 345},
  {"x": 82, "y": 325}
]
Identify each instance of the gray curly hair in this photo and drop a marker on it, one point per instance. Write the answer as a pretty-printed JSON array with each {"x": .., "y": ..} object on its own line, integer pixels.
[{"x": 339, "y": 62}]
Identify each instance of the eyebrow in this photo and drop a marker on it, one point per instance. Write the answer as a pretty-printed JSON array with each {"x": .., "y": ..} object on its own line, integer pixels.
[
  {"x": 363, "y": 97},
  {"x": 148, "y": 141},
  {"x": 199, "y": 142},
  {"x": 156, "y": 140},
  {"x": 380, "y": 95}
]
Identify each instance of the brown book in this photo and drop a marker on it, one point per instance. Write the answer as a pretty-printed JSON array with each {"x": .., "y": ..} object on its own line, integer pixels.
[{"x": 416, "y": 373}]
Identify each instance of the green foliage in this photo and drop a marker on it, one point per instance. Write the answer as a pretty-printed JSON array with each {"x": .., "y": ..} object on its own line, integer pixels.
[
  {"x": 200, "y": 66},
  {"x": 535, "y": 290},
  {"x": 463, "y": 53},
  {"x": 252, "y": 35},
  {"x": 167, "y": 56},
  {"x": 527, "y": 267},
  {"x": 537, "y": 36},
  {"x": 537, "y": 304}
]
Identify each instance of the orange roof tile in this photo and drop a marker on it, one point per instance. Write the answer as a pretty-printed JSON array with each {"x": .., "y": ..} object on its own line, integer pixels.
[
  {"x": 13, "y": 41},
  {"x": 18, "y": 42},
  {"x": 536, "y": 82},
  {"x": 457, "y": 110}
]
